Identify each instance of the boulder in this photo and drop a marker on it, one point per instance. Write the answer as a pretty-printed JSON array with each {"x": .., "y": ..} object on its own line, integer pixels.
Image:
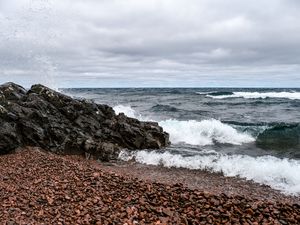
[
  {"x": 45, "y": 118},
  {"x": 11, "y": 91}
]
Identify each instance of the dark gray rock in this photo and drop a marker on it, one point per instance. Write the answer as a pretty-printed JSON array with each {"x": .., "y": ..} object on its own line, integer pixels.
[
  {"x": 44, "y": 118},
  {"x": 11, "y": 91}
]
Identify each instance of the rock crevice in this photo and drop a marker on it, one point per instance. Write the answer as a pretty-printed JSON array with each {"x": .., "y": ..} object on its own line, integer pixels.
[{"x": 45, "y": 118}]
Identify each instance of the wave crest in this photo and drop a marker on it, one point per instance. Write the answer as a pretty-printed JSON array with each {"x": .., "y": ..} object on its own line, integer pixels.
[
  {"x": 205, "y": 132},
  {"x": 280, "y": 136},
  {"x": 216, "y": 93}
]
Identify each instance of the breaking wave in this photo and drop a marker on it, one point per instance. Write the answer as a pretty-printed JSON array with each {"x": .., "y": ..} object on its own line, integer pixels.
[
  {"x": 205, "y": 132},
  {"x": 280, "y": 174}
]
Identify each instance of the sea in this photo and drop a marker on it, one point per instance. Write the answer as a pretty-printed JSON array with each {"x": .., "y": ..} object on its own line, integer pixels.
[{"x": 244, "y": 132}]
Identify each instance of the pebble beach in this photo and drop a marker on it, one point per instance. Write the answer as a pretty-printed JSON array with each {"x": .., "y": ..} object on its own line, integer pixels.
[{"x": 38, "y": 187}]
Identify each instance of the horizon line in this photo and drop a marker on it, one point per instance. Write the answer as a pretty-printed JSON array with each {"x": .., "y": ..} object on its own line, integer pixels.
[{"x": 174, "y": 87}]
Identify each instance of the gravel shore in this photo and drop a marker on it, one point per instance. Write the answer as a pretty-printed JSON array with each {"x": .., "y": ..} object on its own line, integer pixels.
[
  {"x": 215, "y": 183},
  {"x": 38, "y": 187}
]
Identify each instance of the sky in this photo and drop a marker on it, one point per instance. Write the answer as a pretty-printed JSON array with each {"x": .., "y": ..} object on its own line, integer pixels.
[{"x": 150, "y": 43}]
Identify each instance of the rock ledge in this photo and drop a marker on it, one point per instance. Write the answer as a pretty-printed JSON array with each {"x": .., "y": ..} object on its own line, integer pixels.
[{"x": 45, "y": 118}]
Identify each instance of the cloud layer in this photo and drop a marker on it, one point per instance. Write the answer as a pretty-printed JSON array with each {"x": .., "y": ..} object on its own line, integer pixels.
[{"x": 150, "y": 43}]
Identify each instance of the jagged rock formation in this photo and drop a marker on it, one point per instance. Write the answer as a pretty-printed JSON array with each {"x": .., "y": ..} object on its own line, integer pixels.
[{"x": 45, "y": 118}]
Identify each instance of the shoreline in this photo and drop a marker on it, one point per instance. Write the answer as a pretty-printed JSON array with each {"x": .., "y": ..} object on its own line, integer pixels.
[
  {"x": 38, "y": 187},
  {"x": 214, "y": 183}
]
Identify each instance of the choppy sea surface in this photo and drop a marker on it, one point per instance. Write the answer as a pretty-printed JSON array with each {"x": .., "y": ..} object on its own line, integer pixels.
[{"x": 250, "y": 133}]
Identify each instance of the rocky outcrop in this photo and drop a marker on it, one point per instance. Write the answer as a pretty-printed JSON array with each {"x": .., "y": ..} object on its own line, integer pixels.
[{"x": 56, "y": 122}]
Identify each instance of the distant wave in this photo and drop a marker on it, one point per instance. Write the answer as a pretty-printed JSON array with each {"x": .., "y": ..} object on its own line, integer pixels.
[
  {"x": 254, "y": 95},
  {"x": 257, "y": 102},
  {"x": 216, "y": 93},
  {"x": 280, "y": 174},
  {"x": 205, "y": 132},
  {"x": 171, "y": 109},
  {"x": 164, "y": 108},
  {"x": 175, "y": 92}
]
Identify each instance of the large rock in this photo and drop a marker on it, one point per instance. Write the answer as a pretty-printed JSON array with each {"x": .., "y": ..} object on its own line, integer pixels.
[{"x": 58, "y": 123}]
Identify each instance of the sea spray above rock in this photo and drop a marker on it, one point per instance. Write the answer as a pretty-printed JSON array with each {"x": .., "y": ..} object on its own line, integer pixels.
[{"x": 45, "y": 118}]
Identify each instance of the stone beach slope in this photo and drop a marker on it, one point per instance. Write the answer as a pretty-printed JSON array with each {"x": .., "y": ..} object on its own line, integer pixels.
[
  {"x": 44, "y": 118},
  {"x": 39, "y": 187},
  {"x": 202, "y": 180}
]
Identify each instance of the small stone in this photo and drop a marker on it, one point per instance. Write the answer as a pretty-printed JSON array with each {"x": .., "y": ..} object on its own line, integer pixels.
[{"x": 96, "y": 174}]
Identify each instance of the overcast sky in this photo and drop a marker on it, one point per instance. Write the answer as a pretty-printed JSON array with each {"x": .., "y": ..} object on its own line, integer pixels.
[{"x": 120, "y": 43}]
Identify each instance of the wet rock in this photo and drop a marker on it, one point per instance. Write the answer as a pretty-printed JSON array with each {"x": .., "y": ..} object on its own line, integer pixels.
[
  {"x": 45, "y": 118},
  {"x": 9, "y": 138},
  {"x": 11, "y": 91}
]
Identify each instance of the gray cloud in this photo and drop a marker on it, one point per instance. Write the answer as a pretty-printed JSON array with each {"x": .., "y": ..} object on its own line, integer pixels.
[{"x": 150, "y": 43}]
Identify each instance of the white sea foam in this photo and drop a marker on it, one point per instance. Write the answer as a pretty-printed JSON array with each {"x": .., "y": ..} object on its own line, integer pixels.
[
  {"x": 280, "y": 174},
  {"x": 130, "y": 112},
  {"x": 193, "y": 132},
  {"x": 204, "y": 132},
  {"x": 254, "y": 95}
]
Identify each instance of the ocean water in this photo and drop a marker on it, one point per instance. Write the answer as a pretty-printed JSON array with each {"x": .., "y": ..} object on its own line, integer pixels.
[{"x": 249, "y": 133}]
